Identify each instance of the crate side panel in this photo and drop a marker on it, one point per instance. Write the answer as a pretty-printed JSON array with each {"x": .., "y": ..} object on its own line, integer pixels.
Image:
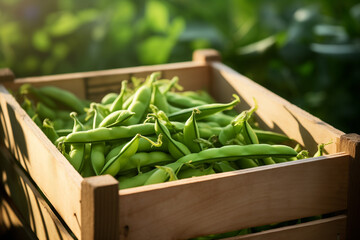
[
  {"x": 94, "y": 85},
  {"x": 274, "y": 112},
  {"x": 235, "y": 200},
  {"x": 324, "y": 229},
  {"x": 34, "y": 211},
  {"x": 54, "y": 175}
]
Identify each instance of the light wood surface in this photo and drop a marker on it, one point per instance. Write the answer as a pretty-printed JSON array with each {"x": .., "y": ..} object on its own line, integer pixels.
[
  {"x": 350, "y": 143},
  {"x": 53, "y": 174},
  {"x": 94, "y": 85},
  {"x": 234, "y": 200},
  {"x": 99, "y": 208},
  {"x": 34, "y": 211},
  {"x": 323, "y": 229},
  {"x": 274, "y": 112}
]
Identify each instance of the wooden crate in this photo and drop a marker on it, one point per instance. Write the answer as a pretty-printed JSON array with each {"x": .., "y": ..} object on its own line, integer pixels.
[{"x": 94, "y": 208}]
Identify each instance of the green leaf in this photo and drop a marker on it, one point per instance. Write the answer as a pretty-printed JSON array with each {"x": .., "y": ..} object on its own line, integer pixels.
[
  {"x": 64, "y": 24},
  {"x": 157, "y": 15},
  {"x": 155, "y": 50},
  {"x": 41, "y": 41}
]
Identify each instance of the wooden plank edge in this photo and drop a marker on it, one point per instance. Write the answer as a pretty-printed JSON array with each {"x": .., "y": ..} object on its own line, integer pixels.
[
  {"x": 350, "y": 143},
  {"x": 99, "y": 208},
  {"x": 216, "y": 176},
  {"x": 55, "y": 216},
  {"x": 118, "y": 71},
  {"x": 317, "y": 229},
  {"x": 33, "y": 130}
]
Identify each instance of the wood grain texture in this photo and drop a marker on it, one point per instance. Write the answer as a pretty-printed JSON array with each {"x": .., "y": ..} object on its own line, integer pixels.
[
  {"x": 274, "y": 112},
  {"x": 234, "y": 200},
  {"x": 350, "y": 143},
  {"x": 99, "y": 208},
  {"x": 94, "y": 85},
  {"x": 53, "y": 174},
  {"x": 33, "y": 210},
  {"x": 323, "y": 229}
]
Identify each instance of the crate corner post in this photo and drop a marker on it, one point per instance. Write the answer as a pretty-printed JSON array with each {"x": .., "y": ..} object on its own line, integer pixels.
[
  {"x": 99, "y": 208},
  {"x": 206, "y": 55},
  {"x": 6, "y": 75},
  {"x": 350, "y": 144}
]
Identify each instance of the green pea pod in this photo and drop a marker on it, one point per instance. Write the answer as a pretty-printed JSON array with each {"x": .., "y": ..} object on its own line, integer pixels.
[
  {"x": 159, "y": 99},
  {"x": 136, "y": 181},
  {"x": 87, "y": 170},
  {"x": 113, "y": 166},
  {"x": 97, "y": 157},
  {"x": 58, "y": 123},
  {"x": 145, "y": 143},
  {"x": 205, "y": 110},
  {"x": 76, "y": 156},
  {"x": 182, "y": 101},
  {"x": 49, "y": 130},
  {"x": 246, "y": 163},
  {"x": 219, "y": 118},
  {"x": 44, "y": 111},
  {"x": 28, "y": 106},
  {"x": 29, "y": 89},
  {"x": 176, "y": 148},
  {"x": 223, "y": 166},
  {"x": 226, "y": 153},
  {"x": 191, "y": 133},
  {"x": 270, "y": 137},
  {"x": 98, "y": 117},
  {"x": 116, "y": 118},
  {"x": 195, "y": 172},
  {"x": 169, "y": 171},
  {"x": 109, "y": 98},
  {"x": 64, "y": 97},
  {"x": 160, "y": 176},
  {"x": 141, "y": 101},
  {"x": 267, "y": 161},
  {"x": 146, "y": 159},
  {"x": 77, "y": 151},
  {"x": 236, "y": 126},
  {"x": 249, "y": 134},
  {"x": 118, "y": 102},
  {"x": 109, "y": 134},
  {"x": 116, "y": 163},
  {"x": 199, "y": 95}
]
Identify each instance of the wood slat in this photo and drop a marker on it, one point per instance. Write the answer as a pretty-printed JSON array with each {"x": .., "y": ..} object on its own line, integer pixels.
[
  {"x": 99, "y": 208},
  {"x": 34, "y": 211},
  {"x": 274, "y": 112},
  {"x": 234, "y": 200},
  {"x": 323, "y": 229},
  {"x": 39, "y": 157}
]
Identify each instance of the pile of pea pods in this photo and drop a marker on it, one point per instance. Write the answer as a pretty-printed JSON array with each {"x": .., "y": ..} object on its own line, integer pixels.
[{"x": 152, "y": 132}]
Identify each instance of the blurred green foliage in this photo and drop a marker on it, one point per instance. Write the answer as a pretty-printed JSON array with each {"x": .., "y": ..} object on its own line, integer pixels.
[{"x": 305, "y": 51}]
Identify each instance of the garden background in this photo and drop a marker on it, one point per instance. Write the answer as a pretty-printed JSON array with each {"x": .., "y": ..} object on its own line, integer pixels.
[{"x": 305, "y": 51}]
